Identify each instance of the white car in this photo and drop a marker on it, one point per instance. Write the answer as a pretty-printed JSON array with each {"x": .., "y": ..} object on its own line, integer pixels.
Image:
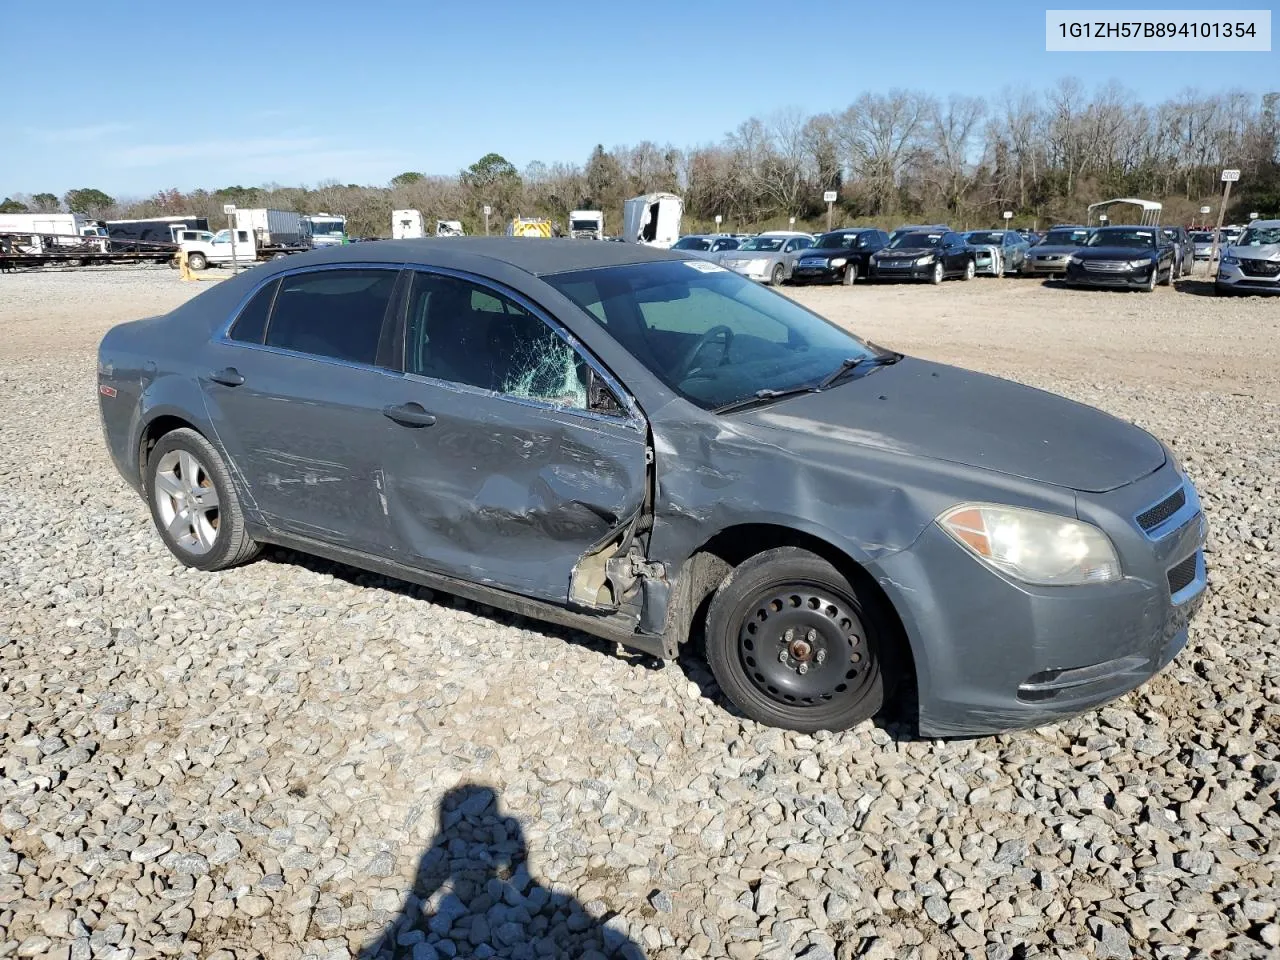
[{"x": 768, "y": 257}]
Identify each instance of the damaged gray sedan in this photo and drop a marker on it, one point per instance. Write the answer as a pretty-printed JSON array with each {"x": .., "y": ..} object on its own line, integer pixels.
[{"x": 657, "y": 451}]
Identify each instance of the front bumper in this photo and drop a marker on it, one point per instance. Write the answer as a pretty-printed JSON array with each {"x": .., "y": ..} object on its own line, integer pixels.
[
  {"x": 1132, "y": 279},
  {"x": 993, "y": 654},
  {"x": 908, "y": 271},
  {"x": 1232, "y": 278},
  {"x": 1045, "y": 267},
  {"x": 801, "y": 274},
  {"x": 752, "y": 271}
]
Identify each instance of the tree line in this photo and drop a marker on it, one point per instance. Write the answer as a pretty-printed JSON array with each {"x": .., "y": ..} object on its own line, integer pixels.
[{"x": 893, "y": 157}]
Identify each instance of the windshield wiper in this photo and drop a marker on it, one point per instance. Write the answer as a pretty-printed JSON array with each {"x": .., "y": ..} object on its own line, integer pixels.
[
  {"x": 761, "y": 397},
  {"x": 852, "y": 363}
]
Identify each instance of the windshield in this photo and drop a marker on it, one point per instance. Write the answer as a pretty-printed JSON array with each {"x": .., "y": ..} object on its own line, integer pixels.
[
  {"x": 915, "y": 240},
  {"x": 763, "y": 243},
  {"x": 986, "y": 236},
  {"x": 837, "y": 241},
  {"x": 1122, "y": 237},
  {"x": 1259, "y": 236},
  {"x": 222, "y": 236},
  {"x": 327, "y": 228},
  {"x": 584, "y": 224},
  {"x": 1202, "y": 237},
  {"x": 691, "y": 243},
  {"x": 707, "y": 333},
  {"x": 1067, "y": 237}
]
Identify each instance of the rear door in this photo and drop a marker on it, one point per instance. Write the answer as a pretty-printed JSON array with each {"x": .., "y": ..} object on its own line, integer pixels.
[
  {"x": 502, "y": 472},
  {"x": 296, "y": 393}
]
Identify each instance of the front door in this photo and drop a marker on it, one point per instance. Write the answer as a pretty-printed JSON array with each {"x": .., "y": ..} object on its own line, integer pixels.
[
  {"x": 296, "y": 396},
  {"x": 502, "y": 473}
]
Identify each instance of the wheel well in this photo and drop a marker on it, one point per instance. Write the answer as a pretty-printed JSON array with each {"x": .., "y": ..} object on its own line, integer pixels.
[
  {"x": 156, "y": 429},
  {"x": 732, "y": 546}
]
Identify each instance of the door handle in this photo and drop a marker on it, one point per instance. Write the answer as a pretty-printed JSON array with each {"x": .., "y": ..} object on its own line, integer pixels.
[
  {"x": 409, "y": 415},
  {"x": 228, "y": 377}
]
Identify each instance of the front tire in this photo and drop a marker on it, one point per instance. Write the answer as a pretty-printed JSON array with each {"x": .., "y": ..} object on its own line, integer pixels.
[
  {"x": 1152, "y": 280},
  {"x": 793, "y": 644},
  {"x": 970, "y": 270},
  {"x": 194, "y": 504},
  {"x": 850, "y": 275},
  {"x": 938, "y": 273},
  {"x": 197, "y": 261},
  {"x": 776, "y": 276}
]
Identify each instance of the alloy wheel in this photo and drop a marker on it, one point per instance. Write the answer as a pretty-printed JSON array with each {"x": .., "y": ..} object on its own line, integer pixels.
[{"x": 187, "y": 501}]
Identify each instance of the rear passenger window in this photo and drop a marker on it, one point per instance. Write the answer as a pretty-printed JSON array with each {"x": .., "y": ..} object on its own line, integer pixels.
[
  {"x": 252, "y": 322},
  {"x": 332, "y": 313}
]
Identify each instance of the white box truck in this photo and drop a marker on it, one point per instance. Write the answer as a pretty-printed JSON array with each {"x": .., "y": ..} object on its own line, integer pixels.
[
  {"x": 653, "y": 219},
  {"x": 282, "y": 229},
  {"x": 407, "y": 225},
  {"x": 586, "y": 225},
  {"x": 37, "y": 232}
]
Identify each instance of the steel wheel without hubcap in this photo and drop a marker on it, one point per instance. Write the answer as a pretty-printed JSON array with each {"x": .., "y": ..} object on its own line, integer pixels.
[
  {"x": 187, "y": 502},
  {"x": 793, "y": 644},
  {"x": 802, "y": 646}
]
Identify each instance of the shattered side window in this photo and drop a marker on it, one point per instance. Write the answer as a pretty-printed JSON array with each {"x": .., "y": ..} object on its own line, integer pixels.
[{"x": 465, "y": 333}]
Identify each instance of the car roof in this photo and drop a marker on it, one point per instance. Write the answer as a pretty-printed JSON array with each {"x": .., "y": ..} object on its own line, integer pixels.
[{"x": 535, "y": 255}]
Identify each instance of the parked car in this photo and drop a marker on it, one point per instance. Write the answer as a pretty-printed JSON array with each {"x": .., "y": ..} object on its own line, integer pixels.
[
  {"x": 1049, "y": 257},
  {"x": 997, "y": 252},
  {"x": 841, "y": 256},
  {"x": 769, "y": 257},
  {"x": 931, "y": 255},
  {"x": 1252, "y": 264},
  {"x": 1202, "y": 243},
  {"x": 618, "y": 438},
  {"x": 1136, "y": 257},
  {"x": 706, "y": 244},
  {"x": 919, "y": 227},
  {"x": 1029, "y": 235},
  {"x": 1184, "y": 253}
]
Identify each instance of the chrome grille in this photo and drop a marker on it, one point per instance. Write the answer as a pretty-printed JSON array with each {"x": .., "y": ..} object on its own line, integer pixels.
[
  {"x": 1253, "y": 267},
  {"x": 813, "y": 261},
  {"x": 1106, "y": 266}
]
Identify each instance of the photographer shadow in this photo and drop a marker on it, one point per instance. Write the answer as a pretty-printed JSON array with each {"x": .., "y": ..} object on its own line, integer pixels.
[{"x": 475, "y": 896}]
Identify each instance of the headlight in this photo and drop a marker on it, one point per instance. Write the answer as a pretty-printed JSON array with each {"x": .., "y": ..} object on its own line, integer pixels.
[
  {"x": 1077, "y": 260},
  {"x": 839, "y": 262},
  {"x": 1034, "y": 547},
  {"x": 1228, "y": 258},
  {"x": 1139, "y": 264},
  {"x": 927, "y": 258}
]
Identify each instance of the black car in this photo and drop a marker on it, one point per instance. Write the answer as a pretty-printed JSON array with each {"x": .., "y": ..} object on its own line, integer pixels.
[
  {"x": 841, "y": 256},
  {"x": 1133, "y": 257},
  {"x": 931, "y": 255}
]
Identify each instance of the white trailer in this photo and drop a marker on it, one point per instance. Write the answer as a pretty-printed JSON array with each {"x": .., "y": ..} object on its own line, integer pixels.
[
  {"x": 407, "y": 225},
  {"x": 653, "y": 219},
  {"x": 41, "y": 231},
  {"x": 586, "y": 225},
  {"x": 275, "y": 228}
]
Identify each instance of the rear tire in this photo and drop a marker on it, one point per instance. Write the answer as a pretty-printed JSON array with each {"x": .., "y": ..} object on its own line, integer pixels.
[
  {"x": 850, "y": 275},
  {"x": 793, "y": 644},
  {"x": 197, "y": 261},
  {"x": 194, "y": 504}
]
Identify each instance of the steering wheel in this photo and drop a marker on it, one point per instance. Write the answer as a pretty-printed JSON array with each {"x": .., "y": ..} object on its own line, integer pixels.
[{"x": 686, "y": 362}]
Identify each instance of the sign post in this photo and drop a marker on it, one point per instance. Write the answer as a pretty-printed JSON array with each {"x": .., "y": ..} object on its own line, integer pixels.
[
  {"x": 792, "y": 223},
  {"x": 1254, "y": 215},
  {"x": 719, "y": 220},
  {"x": 1228, "y": 178},
  {"x": 829, "y": 198},
  {"x": 1203, "y": 213},
  {"x": 1007, "y": 216},
  {"x": 487, "y": 210},
  {"x": 230, "y": 210}
]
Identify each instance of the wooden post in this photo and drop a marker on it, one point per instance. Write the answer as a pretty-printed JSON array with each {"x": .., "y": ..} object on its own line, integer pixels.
[{"x": 1217, "y": 232}]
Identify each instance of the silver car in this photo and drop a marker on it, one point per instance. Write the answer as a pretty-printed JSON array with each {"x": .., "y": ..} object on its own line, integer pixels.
[
  {"x": 1050, "y": 256},
  {"x": 1251, "y": 264},
  {"x": 769, "y": 257},
  {"x": 1184, "y": 254}
]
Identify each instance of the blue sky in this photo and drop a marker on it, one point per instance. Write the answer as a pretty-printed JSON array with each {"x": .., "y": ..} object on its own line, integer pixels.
[{"x": 257, "y": 92}]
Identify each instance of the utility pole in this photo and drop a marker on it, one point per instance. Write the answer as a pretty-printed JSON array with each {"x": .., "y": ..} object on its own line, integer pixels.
[{"x": 1228, "y": 178}]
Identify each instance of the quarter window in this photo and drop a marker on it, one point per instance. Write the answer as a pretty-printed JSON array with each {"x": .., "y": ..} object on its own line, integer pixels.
[
  {"x": 332, "y": 313},
  {"x": 252, "y": 322},
  {"x": 464, "y": 333}
]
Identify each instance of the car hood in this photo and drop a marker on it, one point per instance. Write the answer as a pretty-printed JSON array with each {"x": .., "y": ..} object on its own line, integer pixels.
[
  {"x": 829, "y": 252},
  {"x": 1266, "y": 251},
  {"x": 930, "y": 410},
  {"x": 1053, "y": 249},
  {"x": 751, "y": 254},
  {"x": 904, "y": 252},
  {"x": 1115, "y": 253}
]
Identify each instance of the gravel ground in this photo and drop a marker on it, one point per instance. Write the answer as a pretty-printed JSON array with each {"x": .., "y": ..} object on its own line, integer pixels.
[{"x": 299, "y": 759}]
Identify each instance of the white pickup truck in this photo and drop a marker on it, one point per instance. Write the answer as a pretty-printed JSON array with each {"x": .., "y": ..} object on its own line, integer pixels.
[{"x": 204, "y": 249}]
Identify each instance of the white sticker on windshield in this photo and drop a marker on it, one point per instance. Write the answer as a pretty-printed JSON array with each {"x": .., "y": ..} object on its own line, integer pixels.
[
  {"x": 1143, "y": 233},
  {"x": 702, "y": 266},
  {"x": 935, "y": 236}
]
